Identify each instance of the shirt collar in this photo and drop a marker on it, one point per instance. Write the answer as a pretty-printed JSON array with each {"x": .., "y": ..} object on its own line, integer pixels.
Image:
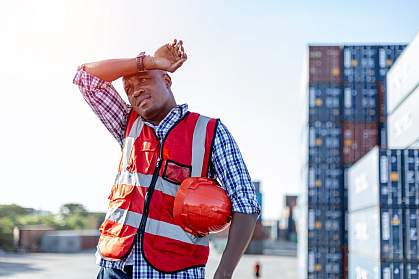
[{"x": 176, "y": 113}]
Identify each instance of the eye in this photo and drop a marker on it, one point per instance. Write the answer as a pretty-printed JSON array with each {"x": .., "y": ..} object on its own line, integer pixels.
[{"x": 143, "y": 80}]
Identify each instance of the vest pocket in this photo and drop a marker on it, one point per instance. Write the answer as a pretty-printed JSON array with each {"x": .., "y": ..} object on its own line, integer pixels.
[{"x": 175, "y": 172}]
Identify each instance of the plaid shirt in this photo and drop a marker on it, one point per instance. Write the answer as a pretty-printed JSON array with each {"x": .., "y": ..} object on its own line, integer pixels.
[{"x": 227, "y": 164}]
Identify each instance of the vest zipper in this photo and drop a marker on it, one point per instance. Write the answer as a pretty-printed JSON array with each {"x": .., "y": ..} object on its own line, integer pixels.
[{"x": 150, "y": 190}]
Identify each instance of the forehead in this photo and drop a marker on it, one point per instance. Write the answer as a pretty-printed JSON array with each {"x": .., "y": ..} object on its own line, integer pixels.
[{"x": 146, "y": 74}]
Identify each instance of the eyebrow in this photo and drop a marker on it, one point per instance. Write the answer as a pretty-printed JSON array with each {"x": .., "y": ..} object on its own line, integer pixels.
[
  {"x": 138, "y": 79},
  {"x": 141, "y": 76}
]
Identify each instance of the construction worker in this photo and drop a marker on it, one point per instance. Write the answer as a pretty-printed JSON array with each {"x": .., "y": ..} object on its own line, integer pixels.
[
  {"x": 162, "y": 144},
  {"x": 257, "y": 269}
]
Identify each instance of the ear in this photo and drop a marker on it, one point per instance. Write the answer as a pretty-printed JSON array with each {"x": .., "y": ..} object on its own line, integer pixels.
[
  {"x": 167, "y": 80},
  {"x": 126, "y": 84}
]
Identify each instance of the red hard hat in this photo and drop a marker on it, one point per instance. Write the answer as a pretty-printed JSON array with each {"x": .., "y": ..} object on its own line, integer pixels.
[{"x": 201, "y": 206}]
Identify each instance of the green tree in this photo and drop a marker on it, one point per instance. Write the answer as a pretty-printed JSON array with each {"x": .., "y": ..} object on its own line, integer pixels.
[
  {"x": 14, "y": 210},
  {"x": 75, "y": 222},
  {"x": 69, "y": 209},
  {"x": 6, "y": 233},
  {"x": 72, "y": 216},
  {"x": 33, "y": 219}
]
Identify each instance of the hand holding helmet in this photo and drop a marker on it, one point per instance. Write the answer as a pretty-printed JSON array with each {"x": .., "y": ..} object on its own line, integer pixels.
[{"x": 201, "y": 206}]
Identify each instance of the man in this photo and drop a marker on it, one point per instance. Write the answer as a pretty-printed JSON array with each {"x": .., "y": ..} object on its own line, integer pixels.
[{"x": 139, "y": 238}]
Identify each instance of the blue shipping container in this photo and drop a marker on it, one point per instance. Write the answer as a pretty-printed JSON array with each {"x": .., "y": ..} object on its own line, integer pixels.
[
  {"x": 412, "y": 270},
  {"x": 360, "y": 102},
  {"x": 411, "y": 234},
  {"x": 325, "y": 226},
  {"x": 392, "y": 270},
  {"x": 325, "y": 263},
  {"x": 360, "y": 64},
  {"x": 324, "y": 143},
  {"x": 325, "y": 185},
  {"x": 324, "y": 102},
  {"x": 391, "y": 234},
  {"x": 391, "y": 178},
  {"x": 387, "y": 55},
  {"x": 411, "y": 177}
]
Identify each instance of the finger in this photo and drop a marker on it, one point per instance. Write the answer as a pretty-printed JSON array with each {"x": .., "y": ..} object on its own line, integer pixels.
[
  {"x": 176, "y": 51},
  {"x": 178, "y": 44},
  {"x": 182, "y": 52}
]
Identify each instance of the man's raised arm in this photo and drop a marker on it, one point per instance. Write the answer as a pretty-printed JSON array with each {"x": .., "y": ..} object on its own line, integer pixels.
[{"x": 167, "y": 58}]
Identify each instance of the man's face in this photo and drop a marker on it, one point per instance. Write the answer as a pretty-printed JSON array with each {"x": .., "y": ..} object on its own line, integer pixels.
[{"x": 149, "y": 94}]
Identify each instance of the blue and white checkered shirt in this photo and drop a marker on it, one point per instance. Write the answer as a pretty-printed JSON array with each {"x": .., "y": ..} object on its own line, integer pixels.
[{"x": 226, "y": 164}]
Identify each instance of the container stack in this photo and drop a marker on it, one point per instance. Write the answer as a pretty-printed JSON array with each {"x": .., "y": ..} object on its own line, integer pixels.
[
  {"x": 383, "y": 186},
  {"x": 403, "y": 131},
  {"x": 325, "y": 179},
  {"x": 364, "y": 87},
  {"x": 347, "y": 118},
  {"x": 383, "y": 208}
]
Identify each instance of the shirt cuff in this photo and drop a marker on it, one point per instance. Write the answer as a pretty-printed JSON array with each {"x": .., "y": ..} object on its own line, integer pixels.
[
  {"x": 245, "y": 205},
  {"x": 88, "y": 81}
]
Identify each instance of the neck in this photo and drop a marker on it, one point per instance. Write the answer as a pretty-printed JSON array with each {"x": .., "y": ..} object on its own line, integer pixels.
[{"x": 163, "y": 113}]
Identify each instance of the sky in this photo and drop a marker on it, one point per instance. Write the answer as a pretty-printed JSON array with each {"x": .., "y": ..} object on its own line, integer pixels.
[{"x": 246, "y": 65}]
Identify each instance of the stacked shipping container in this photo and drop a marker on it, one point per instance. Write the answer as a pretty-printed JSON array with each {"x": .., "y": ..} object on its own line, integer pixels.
[
  {"x": 383, "y": 206},
  {"x": 325, "y": 179},
  {"x": 403, "y": 127},
  {"x": 364, "y": 87},
  {"x": 346, "y": 119}
]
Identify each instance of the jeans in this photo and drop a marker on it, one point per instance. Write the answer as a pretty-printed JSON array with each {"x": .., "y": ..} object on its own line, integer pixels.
[{"x": 113, "y": 273}]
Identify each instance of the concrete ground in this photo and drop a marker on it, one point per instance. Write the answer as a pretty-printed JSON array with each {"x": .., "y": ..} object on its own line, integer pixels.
[{"x": 82, "y": 266}]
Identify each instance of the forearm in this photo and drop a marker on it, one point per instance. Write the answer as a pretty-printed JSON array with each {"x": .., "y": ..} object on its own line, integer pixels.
[
  {"x": 241, "y": 231},
  {"x": 112, "y": 69}
]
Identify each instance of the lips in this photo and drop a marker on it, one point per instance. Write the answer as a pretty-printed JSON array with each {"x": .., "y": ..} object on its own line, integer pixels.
[{"x": 141, "y": 99}]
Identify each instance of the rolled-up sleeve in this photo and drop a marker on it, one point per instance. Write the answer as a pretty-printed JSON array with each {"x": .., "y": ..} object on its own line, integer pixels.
[
  {"x": 105, "y": 102},
  {"x": 232, "y": 172}
]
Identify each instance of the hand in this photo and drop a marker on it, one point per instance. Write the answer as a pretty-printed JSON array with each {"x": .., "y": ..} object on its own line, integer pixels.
[{"x": 169, "y": 57}]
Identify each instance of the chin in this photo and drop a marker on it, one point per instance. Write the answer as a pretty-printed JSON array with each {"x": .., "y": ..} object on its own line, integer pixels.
[{"x": 146, "y": 114}]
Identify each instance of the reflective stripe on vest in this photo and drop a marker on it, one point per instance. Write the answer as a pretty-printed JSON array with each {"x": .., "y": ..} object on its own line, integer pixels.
[
  {"x": 198, "y": 145},
  {"x": 144, "y": 180},
  {"x": 165, "y": 229},
  {"x": 129, "y": 142}
]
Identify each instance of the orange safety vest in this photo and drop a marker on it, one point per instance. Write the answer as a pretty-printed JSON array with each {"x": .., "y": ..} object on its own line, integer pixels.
[{"x": 142, "y": 197}]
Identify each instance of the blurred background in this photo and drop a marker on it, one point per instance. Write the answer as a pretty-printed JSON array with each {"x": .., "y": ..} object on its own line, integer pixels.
[{"x": 329, "y": 90}]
